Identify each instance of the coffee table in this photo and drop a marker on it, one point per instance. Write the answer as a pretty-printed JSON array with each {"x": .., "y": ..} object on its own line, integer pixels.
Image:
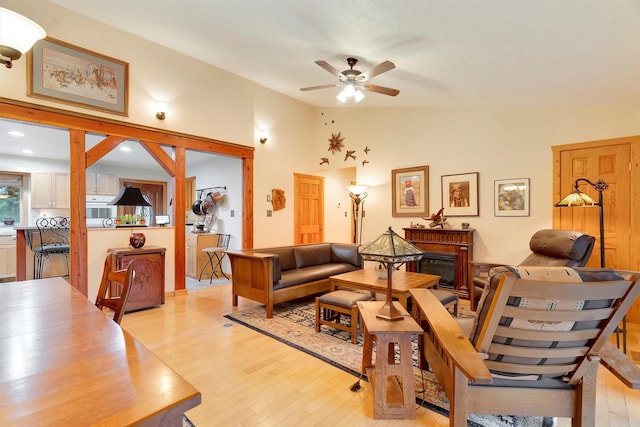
[{"x": 367, "y": 280}]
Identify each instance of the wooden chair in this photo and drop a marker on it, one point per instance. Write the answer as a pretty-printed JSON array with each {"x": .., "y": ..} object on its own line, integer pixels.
[
  {"x": 535, "y": 345},
  {"x": 111, "y": 297}
]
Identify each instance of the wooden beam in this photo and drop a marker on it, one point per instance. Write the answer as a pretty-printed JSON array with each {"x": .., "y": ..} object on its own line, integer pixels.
[
  {"x": 179, "y": 220},
  {"x": 78, "y": 214},
  {"x": 103, "y": 148},
  {"x": 160, "y": 156}
]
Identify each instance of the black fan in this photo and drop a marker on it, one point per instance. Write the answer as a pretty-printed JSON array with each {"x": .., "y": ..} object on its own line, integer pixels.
[{"x": 355, "y": 78}]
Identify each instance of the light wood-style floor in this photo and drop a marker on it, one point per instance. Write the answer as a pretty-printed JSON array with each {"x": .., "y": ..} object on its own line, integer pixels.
[{"x": 248, "y": 379}]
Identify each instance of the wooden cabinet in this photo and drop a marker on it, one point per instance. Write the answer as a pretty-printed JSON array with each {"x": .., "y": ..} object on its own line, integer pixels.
[
  {"x": 196, "y": 259},
  {"x": 7, "y": 257},
  {"x": 148, "y": 285},
  {"x": 102, "y": 184},
  {"x": 50, "y": 190}
]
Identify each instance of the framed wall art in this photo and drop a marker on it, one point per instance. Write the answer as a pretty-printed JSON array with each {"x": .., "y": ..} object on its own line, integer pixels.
[
  {"x": 410, "y": 192},
  {"x": 511, "y": 197},
  {"x": 62, "y": 72},
  {"x": 460, "y": 194}
]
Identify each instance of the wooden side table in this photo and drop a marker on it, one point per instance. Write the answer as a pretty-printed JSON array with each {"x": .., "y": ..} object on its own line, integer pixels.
[{"x": 392, "y": 383}]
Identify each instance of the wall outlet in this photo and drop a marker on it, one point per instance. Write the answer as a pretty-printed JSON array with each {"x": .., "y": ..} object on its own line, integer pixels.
[
  {"x": 269, "y": 212},
  {"x": 232, "y": 213}
]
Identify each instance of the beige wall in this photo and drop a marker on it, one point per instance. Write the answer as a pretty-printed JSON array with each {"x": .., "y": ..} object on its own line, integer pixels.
[{"x": 498, "y": 143}]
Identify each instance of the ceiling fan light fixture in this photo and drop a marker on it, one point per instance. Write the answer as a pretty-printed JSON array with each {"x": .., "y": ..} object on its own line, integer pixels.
[
  {"x": 350, "y": 92},
  {"x": 358, "y": 95},
  {"x": 342, "y": 97}
]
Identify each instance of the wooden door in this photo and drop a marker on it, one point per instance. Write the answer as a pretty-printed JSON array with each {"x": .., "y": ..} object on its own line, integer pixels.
[
  {"x": 611, "y": 164},
  {"x": 308, "y": 205},
  {"x": 615, "y": 162}
]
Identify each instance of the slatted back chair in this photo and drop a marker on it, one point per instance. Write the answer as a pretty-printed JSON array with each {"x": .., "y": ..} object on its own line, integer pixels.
[
  {"x": 115, "y": 288},
  {"x": 535, "y": 345}
]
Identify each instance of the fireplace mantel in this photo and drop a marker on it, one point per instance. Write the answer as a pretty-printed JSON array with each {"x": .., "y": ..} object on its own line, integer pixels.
[{"x": 447, "y": 240}]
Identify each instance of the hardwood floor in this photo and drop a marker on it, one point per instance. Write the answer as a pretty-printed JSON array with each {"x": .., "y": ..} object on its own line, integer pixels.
[{"x": 248, "y": 379}]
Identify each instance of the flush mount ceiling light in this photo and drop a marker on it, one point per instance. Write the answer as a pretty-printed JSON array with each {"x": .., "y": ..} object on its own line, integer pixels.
[{"x": 17, "y": 35}]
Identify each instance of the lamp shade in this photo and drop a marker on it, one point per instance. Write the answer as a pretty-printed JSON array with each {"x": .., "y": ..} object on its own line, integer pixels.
[
  {"x": 390, "y": 248},
  {"x": 130, "y": 196},
  {"x": 17, "y": 33},
  {"x": 357, "y": 189},
  {"x": 577, "y": 198}
]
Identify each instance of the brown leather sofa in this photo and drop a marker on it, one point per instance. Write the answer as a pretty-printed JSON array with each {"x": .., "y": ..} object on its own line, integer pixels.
[
  {"x": 275, "y": 275},
  {"x": 551, "y": 248}
]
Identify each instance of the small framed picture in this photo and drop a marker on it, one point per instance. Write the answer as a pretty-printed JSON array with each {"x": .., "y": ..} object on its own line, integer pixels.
[
  {"x": 460, "y": 194},
  {"x": 410, "y": 192},
  {"x": 511, "y": 197}
]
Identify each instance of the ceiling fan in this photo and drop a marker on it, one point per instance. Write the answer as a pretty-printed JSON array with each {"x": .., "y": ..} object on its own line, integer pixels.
[{"x": 353, "y": 80}]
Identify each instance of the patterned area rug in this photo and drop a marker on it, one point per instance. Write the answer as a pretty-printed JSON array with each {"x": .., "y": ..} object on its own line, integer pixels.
[{"x": 293, "y": 323}]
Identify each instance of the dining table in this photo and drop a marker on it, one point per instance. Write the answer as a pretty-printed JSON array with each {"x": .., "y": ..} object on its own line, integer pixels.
[{"x": 64, "y": 362}]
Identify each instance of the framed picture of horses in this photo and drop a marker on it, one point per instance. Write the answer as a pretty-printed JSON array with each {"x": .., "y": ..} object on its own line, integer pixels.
[{"x": 62, "y": 72}]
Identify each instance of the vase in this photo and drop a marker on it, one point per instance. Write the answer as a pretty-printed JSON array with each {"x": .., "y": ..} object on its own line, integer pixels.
[
  {"x": 137, "y": 240},
  {"x": 381, "y": 271}
]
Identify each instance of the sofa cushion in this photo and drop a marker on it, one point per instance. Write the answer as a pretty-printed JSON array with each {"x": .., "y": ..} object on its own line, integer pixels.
[
  {"x": 314, "y": 254},
  {"x": 558, "y": 247},
  {"x": 311, "y": 274},
  {"x": 346, "y": 252}
]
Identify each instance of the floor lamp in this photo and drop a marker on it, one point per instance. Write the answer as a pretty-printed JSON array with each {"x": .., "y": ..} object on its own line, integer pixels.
[
  {"x": 579, "y": 199},
  {"x": 357, "y": 193}
]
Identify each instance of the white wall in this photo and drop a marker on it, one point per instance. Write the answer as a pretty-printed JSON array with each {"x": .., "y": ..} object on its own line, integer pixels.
[{"x": 497, "y": 143}]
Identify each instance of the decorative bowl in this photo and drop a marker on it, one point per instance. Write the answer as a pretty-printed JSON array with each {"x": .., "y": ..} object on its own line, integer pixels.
[
  {"x": 9, "y": 220},
  {"x": 137, "y": 240}
]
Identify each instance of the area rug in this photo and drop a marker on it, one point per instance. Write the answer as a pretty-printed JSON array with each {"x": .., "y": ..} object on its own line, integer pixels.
[{"x": 293, "y": 323}]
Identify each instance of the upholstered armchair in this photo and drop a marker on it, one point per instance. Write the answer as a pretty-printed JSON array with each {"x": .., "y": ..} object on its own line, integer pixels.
[
  {"x": 537, "y": 340},
  {"x": 561, "y": 248}
]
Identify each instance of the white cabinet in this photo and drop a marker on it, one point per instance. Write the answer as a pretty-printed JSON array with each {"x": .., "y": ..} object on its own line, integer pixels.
[
  {"x": 7, "y": 257},
  {"x": 102, "y": 184},
  {"x": 50, "y": 190}
]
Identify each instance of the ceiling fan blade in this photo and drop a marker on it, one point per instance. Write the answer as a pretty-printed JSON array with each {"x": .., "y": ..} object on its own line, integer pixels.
[
  {"x": 382, "y": 67},
  {"x": 330, "y": 68},
  {"x": 317, "y": 87},
  {"x": 381, "y": 89}
]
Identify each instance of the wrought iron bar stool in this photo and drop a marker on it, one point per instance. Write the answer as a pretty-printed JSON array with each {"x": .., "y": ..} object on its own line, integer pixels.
[
  {"x": 215, "y": 254},
  {"x": 53, "y": 233}
]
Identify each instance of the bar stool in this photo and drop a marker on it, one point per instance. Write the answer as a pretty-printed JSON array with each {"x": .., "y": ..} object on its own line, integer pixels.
[
  {"x": 215, "y": 254},
  {"x": 54, "y": 240},
  {"x": 330, "y": 306}
]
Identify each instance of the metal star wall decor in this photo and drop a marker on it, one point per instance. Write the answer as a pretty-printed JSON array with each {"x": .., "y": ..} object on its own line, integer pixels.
[{"x": 335, "y": 142}]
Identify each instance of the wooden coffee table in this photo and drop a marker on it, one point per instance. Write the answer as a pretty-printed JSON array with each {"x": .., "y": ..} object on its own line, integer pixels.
[{"x": 367, "y": 280}]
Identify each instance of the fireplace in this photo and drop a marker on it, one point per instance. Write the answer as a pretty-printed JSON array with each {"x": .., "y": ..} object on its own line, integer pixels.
[
  {"x": 440, "y": 264},
  {"x": 450, "y": 242}
]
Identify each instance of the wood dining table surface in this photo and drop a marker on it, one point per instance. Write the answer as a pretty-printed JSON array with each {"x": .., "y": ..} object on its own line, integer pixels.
[{"x": 63, "y": 362}]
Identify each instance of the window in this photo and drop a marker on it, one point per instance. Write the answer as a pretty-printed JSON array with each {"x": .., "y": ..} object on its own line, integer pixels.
[{"x": 11, "y": 192}]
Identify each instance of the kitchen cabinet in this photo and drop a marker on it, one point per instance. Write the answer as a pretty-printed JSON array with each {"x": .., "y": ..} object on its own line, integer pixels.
[
  {"x": 102, "y": 184},
  {"x": 195, "y": 258},
  {"x": 7, "y": 257},
  {"x": 148, "y": 285},
  {"x": 50, "y": 190}
]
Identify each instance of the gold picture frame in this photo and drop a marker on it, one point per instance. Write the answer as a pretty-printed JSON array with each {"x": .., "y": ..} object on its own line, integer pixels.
[
  {"x": 62, "y": 72},
  {"x": 410, "y": 192}
]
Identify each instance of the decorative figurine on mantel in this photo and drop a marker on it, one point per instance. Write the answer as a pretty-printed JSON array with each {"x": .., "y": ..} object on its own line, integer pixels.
[{"x": 437, "y": 219}]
